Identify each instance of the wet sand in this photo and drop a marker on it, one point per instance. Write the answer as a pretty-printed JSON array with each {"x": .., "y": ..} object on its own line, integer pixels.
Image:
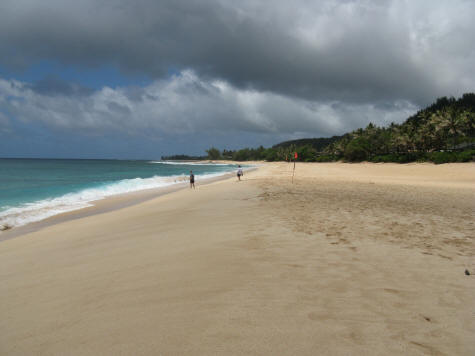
[{"x": 350, "y": 259}]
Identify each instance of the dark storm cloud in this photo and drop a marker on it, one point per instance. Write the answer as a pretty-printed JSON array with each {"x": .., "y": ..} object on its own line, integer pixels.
[
  {"x": 52, "y": 85},
  {"x": 350, "y": 51}
]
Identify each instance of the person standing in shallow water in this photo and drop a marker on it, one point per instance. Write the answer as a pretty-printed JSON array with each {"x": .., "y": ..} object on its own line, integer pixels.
[
  {"x": 192, "y": 180},
  {"x": 239, "y": 172}
]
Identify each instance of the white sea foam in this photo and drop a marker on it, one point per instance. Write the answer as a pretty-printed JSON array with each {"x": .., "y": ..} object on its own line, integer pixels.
[{"x": 42, "y": 209}]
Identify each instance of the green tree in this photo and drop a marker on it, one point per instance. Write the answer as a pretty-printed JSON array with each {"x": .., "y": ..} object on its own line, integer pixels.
[
  {"x": 213, "y": 153},
  {"x": 271, "y": 155},
  {"x": 307, "y": 153},
  {"x": 357, "y": 150}
]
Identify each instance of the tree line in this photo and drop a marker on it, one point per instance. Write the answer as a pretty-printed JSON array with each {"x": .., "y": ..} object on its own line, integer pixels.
[{"x": 442, "y": 132}]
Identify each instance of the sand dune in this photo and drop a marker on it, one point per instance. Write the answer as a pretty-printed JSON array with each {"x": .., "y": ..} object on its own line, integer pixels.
[{"x": 350, "y": 259}]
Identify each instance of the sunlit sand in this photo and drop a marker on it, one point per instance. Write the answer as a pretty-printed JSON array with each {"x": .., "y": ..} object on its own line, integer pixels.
[{"x": 362, "y": 259}]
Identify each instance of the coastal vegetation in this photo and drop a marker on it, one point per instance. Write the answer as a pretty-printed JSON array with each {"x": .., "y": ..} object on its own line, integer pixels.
[
  {"x": 184, "y": 157},
  {"x": 442, "y": 132}
]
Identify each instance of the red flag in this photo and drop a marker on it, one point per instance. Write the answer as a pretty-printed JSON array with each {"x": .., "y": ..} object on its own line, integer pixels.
[{"x": 295, "y": 155}]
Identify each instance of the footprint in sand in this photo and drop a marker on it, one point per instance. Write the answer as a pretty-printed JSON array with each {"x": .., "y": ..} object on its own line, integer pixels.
[
  {"x": 426, "y": 318},
  {"x": 427, "y": 348}
]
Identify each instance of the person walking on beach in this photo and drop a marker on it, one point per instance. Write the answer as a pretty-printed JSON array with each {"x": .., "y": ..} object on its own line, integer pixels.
[
  {"x": 239, "y": 172},
  {"x": 192, "y": 180}
]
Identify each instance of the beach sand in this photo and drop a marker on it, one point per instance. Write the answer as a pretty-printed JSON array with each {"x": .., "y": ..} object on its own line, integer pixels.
[{"x": 350, "y": 259}]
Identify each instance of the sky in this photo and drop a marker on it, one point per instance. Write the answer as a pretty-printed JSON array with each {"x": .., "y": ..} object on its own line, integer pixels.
[{"x": 144, "y": 78}]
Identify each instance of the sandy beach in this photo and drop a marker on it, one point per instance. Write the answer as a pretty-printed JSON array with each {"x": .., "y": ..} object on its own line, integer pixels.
[{"x": 349, "y": 259}]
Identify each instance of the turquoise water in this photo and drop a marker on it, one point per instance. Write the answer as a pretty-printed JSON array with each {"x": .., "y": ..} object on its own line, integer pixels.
[{"x": 33, "y": 189}]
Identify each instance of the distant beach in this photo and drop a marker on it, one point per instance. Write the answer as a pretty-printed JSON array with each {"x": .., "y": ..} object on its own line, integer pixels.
[{"x": 346, "y": 259}]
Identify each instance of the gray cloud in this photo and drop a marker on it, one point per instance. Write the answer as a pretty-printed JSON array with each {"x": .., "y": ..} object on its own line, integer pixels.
[
  {"x": 189, "y": 105},
  {"x": 364, "y": 52},
  {"x": 52, "y": 85}
]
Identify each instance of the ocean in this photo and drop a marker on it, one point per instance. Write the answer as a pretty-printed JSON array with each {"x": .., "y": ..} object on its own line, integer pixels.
[{"x": 35, "y": 189}]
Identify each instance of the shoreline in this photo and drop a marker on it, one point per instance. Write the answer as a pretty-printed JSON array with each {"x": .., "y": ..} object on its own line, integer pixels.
[{"x": 108, "y": 204}]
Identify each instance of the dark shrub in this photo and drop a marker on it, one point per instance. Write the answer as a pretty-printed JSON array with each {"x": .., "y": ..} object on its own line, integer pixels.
[
  {"x": 385, "y": 158},
  {"x": 326, "y": 158},
  {"x": 442, "y": 157},
  {"x": 399, "y": 157},
  {"x": 408, "y": 157},
  {"x": 466, "y": 156}
]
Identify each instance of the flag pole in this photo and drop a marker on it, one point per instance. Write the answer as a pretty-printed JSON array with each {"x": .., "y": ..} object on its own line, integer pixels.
[{"x": 293, "y": 173}]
